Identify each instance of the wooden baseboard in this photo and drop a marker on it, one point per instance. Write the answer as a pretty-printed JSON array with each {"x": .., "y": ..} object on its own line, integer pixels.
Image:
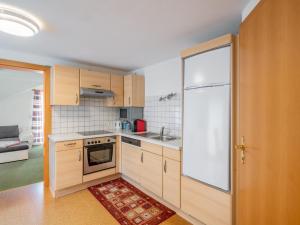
[
  {"x": 70, "y": 190},
  {"x": 159, "y": 199}
]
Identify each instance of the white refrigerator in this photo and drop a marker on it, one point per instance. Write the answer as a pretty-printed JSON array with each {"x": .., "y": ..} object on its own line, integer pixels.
[{"x": 206, "y": 118}]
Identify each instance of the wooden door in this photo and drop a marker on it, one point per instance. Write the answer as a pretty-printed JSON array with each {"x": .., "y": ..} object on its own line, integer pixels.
[
  {"x": 117, "y": 87},
  {"x": 131, "y": 162},
  {"x": 94, "y": 79},
  {"x": 171, "y": 181},
  {"x": 68, "y": 168},
  {"x": 65, "y": 86},
  {"x": 268, "y": 183},
  {"x": 151, "y": 172}
]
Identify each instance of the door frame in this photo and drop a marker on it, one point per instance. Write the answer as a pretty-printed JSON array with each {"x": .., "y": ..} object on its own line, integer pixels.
[{"x": 16, "y": 65}]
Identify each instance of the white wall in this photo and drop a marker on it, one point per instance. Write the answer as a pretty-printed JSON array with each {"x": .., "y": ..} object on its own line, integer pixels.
[
  {"x": 16, "y": 97},
  {"x": 249, "y": 8},
  {"x": 162, "y": 78},
  {"x": 17, "y": 110}
]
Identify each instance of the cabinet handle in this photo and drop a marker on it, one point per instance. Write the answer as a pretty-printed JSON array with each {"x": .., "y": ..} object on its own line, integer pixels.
[
  {"x": 129, "y": 101},
  {"x": 94, "y": 85},
  {"x": 165, "y": 166},
  {"x": 77, "y": 98},
  {"x": 142, "y": 157},
  {"x": 114, "y": 100},
  {"x": 70, "y": 144},
  {"x": 79, "y": 156}
]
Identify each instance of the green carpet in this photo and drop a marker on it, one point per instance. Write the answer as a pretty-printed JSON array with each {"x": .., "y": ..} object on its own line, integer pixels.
[{"x": 20, "y": 173}]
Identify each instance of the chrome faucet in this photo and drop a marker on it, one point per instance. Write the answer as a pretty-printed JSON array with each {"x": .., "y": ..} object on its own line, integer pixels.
[{"x": 162, "y": 129}]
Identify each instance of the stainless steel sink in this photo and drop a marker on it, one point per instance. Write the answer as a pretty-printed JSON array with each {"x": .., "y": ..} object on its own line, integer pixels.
[
  {"x": 147, "y": 134},
  {"x": 156, "y": 136},
  {"x": 164, "y": 138}
]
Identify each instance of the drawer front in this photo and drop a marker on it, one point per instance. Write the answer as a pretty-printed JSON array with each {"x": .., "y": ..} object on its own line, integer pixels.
[
  {"x": 66, "y": 145},
  {"x": 172, "y": 153},
  {"x": 153, "y": 148}
]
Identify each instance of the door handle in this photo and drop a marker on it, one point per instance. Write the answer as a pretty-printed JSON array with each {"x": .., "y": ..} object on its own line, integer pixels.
[
  {"x": 242, "y": 147},
  {"x": 165, "y": 166},
  {"x": 79, "y": 156},
  {"x": 77, "y": 98}
]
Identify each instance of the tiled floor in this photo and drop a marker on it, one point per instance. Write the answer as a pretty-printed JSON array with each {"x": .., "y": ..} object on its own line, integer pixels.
[{"x": 32, "y": 205}]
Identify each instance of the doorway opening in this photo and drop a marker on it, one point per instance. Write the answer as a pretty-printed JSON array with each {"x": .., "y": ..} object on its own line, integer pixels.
[{"x": 25, "y": 123}]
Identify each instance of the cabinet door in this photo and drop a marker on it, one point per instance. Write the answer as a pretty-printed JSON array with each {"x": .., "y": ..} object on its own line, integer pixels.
[
  {"x": 134, "y": 91},
  {"x": 138, "y": 91},
  {"x": 65, "y": 86},
  {"x": 152, "y": 173},
  {"x": 131, "y": 161},
  {"x": 171, "y": 181},
  {"x": 94, "y": 79},
  {"x": 128, "y": 90},
  {"x": 117, "y": 87},
  {"x": 69, "y": 170}
]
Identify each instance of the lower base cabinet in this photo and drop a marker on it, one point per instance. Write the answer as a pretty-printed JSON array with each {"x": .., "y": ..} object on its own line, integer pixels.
[
  {"x": 171, "y": 181},
  {"x": 131, "y": 161},
  {"x": 143, "y": 167},
  {"x": 68, "y": 168},
  {"x": 211, "y": 206},
  {"x": 151, "y": 174},
  {"x": 155, "y": 168}
]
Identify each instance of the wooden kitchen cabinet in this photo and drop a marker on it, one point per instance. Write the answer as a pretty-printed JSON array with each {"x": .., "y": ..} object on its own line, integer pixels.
[
  {"x": 65, "y": 85},
  {"x": 117, "y": 87},
  {"x": 171, "y": 181},
  {"x": 94, "y": 79},
  {"x": 134, "y": 91},
  {"x": 131, "y": 161},
  {"x": 207, "y": 204},
  {"x": 151, "y": 176},
  {"x": 69, "y": 168}
]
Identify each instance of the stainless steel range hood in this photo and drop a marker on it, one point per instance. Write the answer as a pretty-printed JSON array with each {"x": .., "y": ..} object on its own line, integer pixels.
[{"x": 89, "y": 92}]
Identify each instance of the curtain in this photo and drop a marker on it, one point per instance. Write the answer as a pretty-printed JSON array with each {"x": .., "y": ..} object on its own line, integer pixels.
[{"x": 38, "y": 117}]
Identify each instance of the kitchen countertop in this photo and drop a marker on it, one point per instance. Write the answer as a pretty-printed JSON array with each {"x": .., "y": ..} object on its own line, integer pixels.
[{"x": 175, "y": 144}]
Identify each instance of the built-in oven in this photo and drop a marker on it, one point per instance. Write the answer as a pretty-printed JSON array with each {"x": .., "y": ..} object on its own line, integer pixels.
[{"x": 99, "y": 154}]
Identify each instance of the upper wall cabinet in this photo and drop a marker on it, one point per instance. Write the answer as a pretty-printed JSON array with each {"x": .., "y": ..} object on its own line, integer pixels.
[
  {"x": 94, "y": 79},
  {"x": 65, "y": 85},
  {"x": 117, "y": 87},
  {"x": 134, "y": 91}
]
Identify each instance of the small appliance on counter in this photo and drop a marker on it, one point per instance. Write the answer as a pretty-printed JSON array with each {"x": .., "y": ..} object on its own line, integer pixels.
[
  {"x": 126, "y": 125},
  {"x": 118, "y": 125},
  {"x": 140, "y": 125}
]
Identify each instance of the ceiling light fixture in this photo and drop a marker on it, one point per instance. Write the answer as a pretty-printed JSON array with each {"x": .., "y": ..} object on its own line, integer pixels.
[{"x": 17, "y": 22}]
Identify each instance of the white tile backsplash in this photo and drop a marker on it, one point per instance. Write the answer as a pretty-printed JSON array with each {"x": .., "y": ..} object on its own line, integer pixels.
[
  {"x": 163, "y": 113},
  {"x": 90, "y": 115}
]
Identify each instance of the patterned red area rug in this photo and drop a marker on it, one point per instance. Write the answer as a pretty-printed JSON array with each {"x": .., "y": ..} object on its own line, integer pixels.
[{"x": 128, "y": 205}]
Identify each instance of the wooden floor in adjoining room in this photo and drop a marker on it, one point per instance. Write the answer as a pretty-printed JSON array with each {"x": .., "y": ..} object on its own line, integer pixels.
[{"x": 34, "y": 205}]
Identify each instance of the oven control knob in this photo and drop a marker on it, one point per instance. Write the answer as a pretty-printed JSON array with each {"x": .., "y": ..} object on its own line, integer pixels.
[
  {"x": 108, "y": 140},
  {"x": 89, "y": 142},
  {"x": 99, "y": 141},
  {"x": 92, "y": 142}
]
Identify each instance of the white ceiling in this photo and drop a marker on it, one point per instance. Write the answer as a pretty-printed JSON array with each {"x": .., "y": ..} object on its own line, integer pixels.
[
  {"x": 125, "y": 34},
  {"x": 14, "y": 82}
]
